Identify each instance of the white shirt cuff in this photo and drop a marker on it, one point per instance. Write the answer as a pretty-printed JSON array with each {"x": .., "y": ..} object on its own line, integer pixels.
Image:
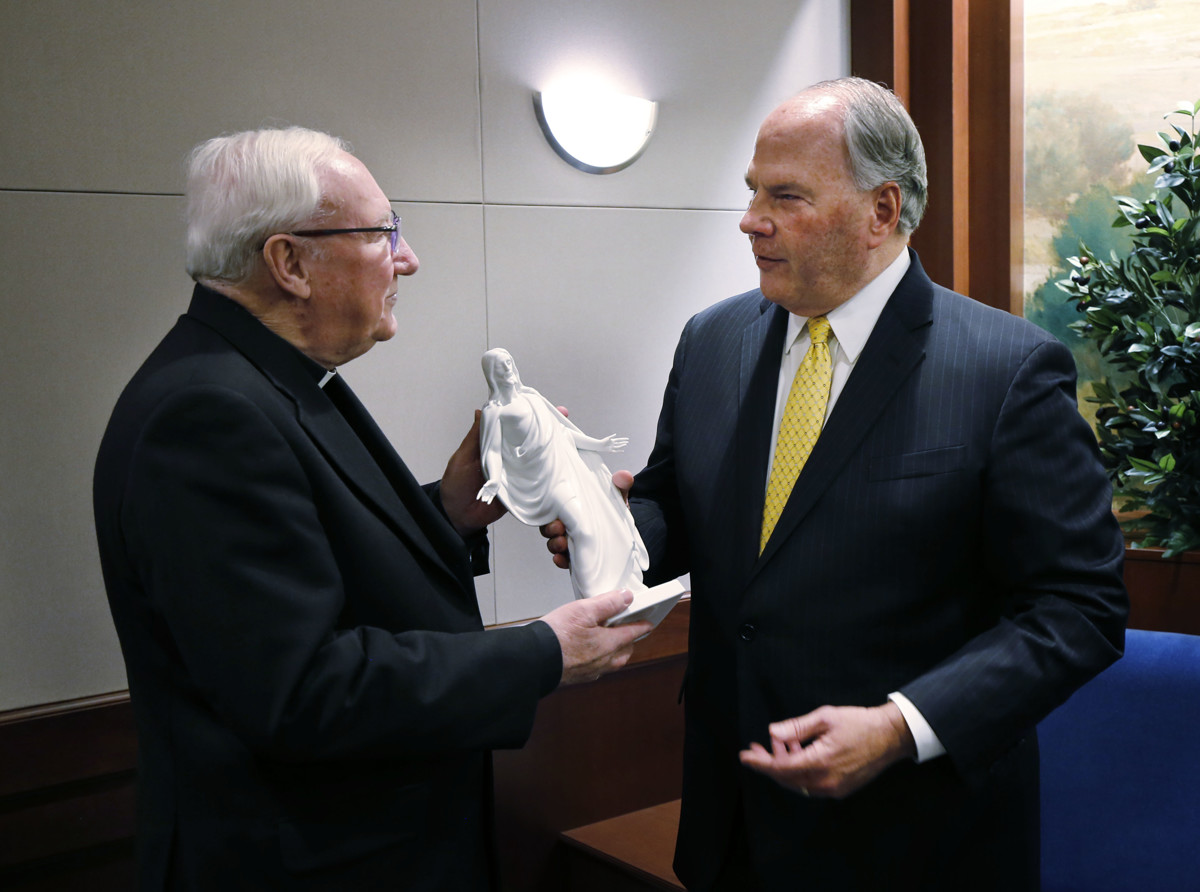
[{"x": 928, "y": 745}]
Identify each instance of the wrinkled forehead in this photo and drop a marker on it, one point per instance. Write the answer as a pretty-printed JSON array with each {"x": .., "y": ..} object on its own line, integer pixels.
[
  {"x": 808, "y": 116},
  {"x": 804, "y": 134}
]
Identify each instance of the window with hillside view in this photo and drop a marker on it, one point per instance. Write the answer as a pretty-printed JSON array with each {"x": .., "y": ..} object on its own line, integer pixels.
[{"x": 1099, "y": 77}]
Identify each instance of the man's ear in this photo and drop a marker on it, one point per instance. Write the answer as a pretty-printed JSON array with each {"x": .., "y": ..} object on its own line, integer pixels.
[
  {"x": 287, "y": 265},
  {"x": 885, "y": 213}
]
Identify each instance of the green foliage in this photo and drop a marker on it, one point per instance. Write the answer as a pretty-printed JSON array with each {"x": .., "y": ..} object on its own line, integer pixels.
[
  {"x": 1089, "y": 221},
  {"x": 1141, "y": 307},
  {"x": 1076, "y": 153}
]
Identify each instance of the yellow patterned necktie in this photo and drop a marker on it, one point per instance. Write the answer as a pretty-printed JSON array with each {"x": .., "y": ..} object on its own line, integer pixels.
[{"x": 801, "y": 424}]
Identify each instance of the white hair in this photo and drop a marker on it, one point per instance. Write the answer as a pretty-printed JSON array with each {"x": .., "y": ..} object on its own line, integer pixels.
[
  {"x": 244, "y": 188},
  {"x": 883, "y": 144}
]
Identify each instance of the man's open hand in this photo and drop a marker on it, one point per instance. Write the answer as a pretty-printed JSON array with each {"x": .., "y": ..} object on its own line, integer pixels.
[{"x": 833, "y": 751}]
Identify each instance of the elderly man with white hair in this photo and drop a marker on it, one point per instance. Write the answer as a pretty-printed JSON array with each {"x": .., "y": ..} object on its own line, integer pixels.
[{"x": 314, "y": 691}]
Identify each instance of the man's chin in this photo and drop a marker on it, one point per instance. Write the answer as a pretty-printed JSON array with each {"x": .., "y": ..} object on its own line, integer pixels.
[
  {"x": 387, "y": 327},
  {"x": 774, "y": 295},
  {"x": 771, "y": 287}
]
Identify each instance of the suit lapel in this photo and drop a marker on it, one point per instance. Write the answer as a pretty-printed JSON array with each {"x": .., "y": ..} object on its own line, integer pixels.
[
  {"x": 895, "y": 348},
  {"x": 376, "y": 470},
  {"x": 363, "y": 457},
  {"x": 758, "y": 376}
]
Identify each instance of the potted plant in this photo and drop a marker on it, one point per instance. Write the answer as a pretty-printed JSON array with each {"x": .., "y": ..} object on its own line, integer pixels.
[{"x": 1142, "y": 309}]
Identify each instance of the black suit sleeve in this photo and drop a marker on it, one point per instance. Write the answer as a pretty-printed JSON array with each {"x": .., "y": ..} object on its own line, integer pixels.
[
  {"x": 227, "y": 534},
  {"x": 1053, "y": 559},
  {"x": 477, "y": 543},
  {"x": 655, "y": 498}
]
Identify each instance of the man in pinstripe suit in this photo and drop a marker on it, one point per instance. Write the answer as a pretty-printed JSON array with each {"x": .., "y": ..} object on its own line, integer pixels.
[{"x": 861, "y": 696}]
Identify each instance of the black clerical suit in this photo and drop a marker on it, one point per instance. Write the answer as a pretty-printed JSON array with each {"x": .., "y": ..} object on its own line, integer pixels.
[{"x": 314, "y": 692}]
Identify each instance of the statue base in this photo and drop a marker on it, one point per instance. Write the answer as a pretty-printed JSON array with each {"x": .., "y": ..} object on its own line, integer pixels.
[{"x": 651, "y": 605}]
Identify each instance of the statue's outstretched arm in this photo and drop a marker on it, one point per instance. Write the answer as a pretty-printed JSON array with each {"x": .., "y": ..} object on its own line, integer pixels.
[
  {"x": 489, "y": 453},
  {"x": 611, "y": 443}
]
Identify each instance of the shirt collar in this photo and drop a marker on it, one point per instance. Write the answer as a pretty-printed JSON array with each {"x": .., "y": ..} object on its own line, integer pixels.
[{"x": 853, "y": 321}]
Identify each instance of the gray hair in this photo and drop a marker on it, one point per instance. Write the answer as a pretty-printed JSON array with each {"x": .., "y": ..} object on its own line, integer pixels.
[
  {"x": 883, "y": 144},
  {"x": 244, "y": 188}
]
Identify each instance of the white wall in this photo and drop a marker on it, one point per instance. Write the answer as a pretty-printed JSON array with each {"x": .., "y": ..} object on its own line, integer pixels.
[{"x": 586, "y": 280}]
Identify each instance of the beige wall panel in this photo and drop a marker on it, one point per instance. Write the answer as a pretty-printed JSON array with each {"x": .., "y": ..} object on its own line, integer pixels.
[
  {"x": 110, "y": 96},
  {"x": 591, "y": 303},
  {"x": 715, "y": 68},
  {"x": 91, "y": 284}
]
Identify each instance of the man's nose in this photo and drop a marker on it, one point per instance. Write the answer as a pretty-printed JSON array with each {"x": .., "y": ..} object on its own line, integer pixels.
[
  {"x": 405, "y": 259},
  {"x": 754, "y": 223}
]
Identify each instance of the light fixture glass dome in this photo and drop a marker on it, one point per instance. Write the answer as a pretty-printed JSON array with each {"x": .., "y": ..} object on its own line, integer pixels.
[{"x": 594, "y": 130}]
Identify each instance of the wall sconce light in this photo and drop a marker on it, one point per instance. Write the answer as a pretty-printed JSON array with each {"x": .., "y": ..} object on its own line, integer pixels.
[{"x": 593, "y": 130}]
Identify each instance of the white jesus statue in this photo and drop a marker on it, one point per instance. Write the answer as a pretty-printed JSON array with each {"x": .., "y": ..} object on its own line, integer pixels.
[{"x": 544, "y": 468}]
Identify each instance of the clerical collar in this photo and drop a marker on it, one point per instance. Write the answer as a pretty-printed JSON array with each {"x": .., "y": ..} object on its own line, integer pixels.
[{"x": 320, "y": 375}]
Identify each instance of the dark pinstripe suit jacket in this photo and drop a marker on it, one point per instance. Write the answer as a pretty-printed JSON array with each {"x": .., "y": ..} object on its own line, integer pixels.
[{"x": 951, "y": 537}]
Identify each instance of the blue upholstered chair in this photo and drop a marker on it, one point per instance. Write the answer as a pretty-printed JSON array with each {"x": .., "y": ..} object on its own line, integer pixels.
[{"x": 1120, "y": 784}]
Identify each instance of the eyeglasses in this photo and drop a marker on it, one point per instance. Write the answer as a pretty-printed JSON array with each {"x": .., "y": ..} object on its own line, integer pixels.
[{"x": 394, "y": 229}]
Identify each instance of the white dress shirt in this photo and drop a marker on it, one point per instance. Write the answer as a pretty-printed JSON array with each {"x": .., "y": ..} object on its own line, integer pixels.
[{"x": 851, "y": 325}]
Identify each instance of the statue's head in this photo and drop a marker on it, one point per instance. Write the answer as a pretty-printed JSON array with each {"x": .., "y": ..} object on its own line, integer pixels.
[{"x": 499, "y": 369}]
